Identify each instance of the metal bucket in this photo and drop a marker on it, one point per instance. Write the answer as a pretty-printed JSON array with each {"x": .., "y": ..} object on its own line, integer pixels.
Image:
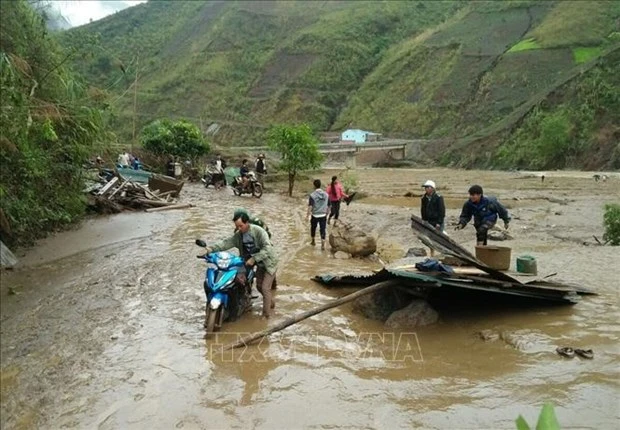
[{"x": 496, "y": 257}]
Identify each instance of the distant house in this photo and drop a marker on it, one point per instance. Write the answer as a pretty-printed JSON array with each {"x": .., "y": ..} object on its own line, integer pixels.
[{"x": 359, "y": 136}]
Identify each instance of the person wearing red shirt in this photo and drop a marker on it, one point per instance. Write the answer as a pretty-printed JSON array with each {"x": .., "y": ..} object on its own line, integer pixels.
[{"x": 336, "y": 194}]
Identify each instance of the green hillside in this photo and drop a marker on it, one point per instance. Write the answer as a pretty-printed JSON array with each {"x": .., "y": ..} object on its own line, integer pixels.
[
  {"x": 464, "y": 72},
  {"x": 49, "y": 126}
]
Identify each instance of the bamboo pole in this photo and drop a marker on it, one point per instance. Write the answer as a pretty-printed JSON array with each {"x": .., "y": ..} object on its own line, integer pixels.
[
  {"x": 166, "y": 208},
  {"x": 148, "y": 202},
  {"x": 304, "y": 315}
]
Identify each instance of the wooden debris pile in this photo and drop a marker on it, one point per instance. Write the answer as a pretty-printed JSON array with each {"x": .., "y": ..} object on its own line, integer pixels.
[{"x": 120, "y": 194}]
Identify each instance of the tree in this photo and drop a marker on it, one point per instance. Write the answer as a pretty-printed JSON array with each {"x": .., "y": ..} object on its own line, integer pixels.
[
  {"x": 298, "y": 148},
  {"x": 49, "y": 126},
  {"x": 180, "y": 138}
]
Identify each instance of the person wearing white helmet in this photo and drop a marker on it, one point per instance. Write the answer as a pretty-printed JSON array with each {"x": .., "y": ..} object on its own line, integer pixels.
[{"x": 432, "y": 206}]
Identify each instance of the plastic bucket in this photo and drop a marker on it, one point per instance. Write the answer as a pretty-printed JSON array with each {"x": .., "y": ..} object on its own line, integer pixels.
[
  {"x": 526, "y": 264},
  {"x": 496, "y": 257},
  {"x": 178, "y": 170}
]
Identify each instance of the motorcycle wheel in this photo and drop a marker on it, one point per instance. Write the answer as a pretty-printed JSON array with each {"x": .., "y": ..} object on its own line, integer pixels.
[
  {"x": 212, "y": 317},
  {"x": 257, "y": 190},
  {"x": 236, "y": 191}
]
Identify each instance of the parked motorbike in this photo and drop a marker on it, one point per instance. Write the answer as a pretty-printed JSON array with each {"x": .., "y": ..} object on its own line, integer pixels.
[
  {"x": 227, "y": 298},
  {"x": 213, "y": 177},
  {"x": 253, "y": 187}
]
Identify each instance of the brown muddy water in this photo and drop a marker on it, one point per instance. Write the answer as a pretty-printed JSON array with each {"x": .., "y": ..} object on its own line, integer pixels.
[{"x": 105, "y": 329}]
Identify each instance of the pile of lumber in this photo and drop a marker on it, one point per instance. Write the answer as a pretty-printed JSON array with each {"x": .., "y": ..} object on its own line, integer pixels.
[{"x": 119, "y": 194}]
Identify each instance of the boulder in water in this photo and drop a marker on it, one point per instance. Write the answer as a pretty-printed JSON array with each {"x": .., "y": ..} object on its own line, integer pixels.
[
  {"x": 418, "y": 313},
  {"x": 352, "y": 240}
]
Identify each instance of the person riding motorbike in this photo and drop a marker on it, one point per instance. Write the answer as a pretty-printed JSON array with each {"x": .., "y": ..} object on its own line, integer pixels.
[{"x": 244, "y": 172}]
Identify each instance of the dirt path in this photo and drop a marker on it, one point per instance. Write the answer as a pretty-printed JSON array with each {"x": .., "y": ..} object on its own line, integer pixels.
[{"x": 106, "y": 327}]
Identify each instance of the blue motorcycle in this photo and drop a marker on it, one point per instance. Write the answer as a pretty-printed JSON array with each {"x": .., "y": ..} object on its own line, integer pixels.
[{"x": 227, "y": 287}]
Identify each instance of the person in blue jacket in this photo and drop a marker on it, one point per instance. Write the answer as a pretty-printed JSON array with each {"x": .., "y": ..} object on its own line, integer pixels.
[{"x": 485, "y": 211}]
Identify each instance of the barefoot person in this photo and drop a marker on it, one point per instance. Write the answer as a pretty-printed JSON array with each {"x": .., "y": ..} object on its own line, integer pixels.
[{"x": 485, "y": 211}]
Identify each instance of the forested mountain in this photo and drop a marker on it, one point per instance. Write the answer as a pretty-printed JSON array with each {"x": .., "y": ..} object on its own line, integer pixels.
[{"x": 508, "y": 84}]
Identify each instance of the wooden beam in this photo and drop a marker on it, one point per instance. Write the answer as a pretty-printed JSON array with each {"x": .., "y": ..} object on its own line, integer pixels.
[{"x": 305, "y": 315}]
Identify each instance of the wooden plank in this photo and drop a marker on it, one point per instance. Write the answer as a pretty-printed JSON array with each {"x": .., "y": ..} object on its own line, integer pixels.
[
  {"x": 152, "y": 202},
  {"x": 304, "y": 315},
  {"x": 149, "y": 193},
  {"x": 121, "y": 186},
  {"x": 172, "y": 206},
  {"x": 107, "y": 186}
]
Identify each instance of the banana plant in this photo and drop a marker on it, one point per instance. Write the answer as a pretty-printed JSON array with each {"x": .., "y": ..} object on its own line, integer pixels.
[{"x": 546, "y": 420}]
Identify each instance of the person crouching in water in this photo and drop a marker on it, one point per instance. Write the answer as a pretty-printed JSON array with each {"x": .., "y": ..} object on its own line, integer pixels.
[
  {"x": 317, "y": 208},
  {"x": 485, "y": 211},
  {"x": 432, "y": 207},
  {"x": 254, "y": 246},
  {"x": 336, "y": 194}
]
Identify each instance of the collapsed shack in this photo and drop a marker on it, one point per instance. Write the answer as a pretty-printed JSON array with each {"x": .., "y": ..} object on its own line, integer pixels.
[
  {"x": 474, "y": 282},
  {"x": 127, "y": 189}
]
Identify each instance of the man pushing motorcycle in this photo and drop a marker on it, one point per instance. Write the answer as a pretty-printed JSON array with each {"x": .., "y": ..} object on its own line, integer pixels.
[{"x": 255, "y": 247}]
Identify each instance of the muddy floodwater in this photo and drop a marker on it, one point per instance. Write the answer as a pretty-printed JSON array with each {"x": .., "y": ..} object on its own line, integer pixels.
[{"x": 101, "y": 327}]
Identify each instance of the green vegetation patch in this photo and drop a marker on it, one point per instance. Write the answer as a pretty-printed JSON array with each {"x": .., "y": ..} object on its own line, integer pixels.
[
  {"x": 580, "y": 23},
  {"x": 484, "y": 33},
  {"x": 525, "y": 45},
  {"x": 47, "y": 130},
  {"x": 560, "y": 135},
  {"x": 611, "y": 222},
  {"x": 515, "y": 80},
  {"x": 583, "y": 55}
]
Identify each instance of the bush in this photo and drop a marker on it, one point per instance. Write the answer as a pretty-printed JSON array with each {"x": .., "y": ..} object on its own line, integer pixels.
[
  {"x": 611, "y": 221},
  {"x": 349, "y": 181},
  {"x": 181, "y": 138}
]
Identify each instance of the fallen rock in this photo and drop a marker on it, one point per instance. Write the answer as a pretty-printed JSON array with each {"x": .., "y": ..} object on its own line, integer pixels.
[
  {"x": 389, "y": 251},
  {"x": 352, "y": 240},
  {"x": 562, "y": 202},
  {"x": 341, "y": 255},
  {"x": 380, "y": 305},
  {"x": 417, "y": 314},
  {"x": 488, "y": 335},
  {"x": 416, "y": 252},
  {"x": 499, "y": 235}
]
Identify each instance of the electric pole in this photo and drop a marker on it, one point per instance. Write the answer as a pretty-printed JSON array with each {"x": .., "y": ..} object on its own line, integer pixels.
[{"x": 135, "y": 102}]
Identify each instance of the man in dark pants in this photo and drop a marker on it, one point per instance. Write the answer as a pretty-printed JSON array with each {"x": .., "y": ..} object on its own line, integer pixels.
[
  {"x": 318, "y": 208},
  {"x": 261, "y": 168},
  {"x": 432, "y": 206},
  {"x": 485, "y": 211},
  {"x": 170, "y": 167}
]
